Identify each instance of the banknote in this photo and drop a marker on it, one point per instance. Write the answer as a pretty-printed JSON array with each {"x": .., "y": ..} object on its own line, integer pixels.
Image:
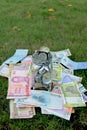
[
  {"x": 66, "y": 78},
  {"x": 72, "y": 96},
  {"x": 60, "y": 113},
  {"x": 84, "y": 97},
  {"x": 18, "y": 56},
  {"x": 67, "y": 71},
  {"x": 19, "y": 81},
  {"x": 27, "y": 59},
  {"x": 57, "y": 89},
  {"x": 63, "y": 75},
  {"x": 42, "y": 98},
  {"x": 81, "y": 88},
  {"x": 56, "y": 56},
  {"x": 57, "y": 72},
  {"x": 25, "y": 105},
  {"x": 64, "y": 70},
  {"x": 67, "y": 62},
  {"x": 4, "y": 70},
  {"x": 17, "y": 112}
]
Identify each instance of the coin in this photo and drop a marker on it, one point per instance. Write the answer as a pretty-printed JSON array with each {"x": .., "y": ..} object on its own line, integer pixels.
[
  {"x": 38, "y": 85},
  {"x": 46, "y": 78},
  {"x": 38, "y": 78},
  {"x": 44, "y": 49}
]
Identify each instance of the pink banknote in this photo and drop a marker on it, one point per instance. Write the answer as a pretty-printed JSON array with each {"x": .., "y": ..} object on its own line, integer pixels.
[
  {"x": 20, "y": 81},
  {"x": 27, "y": 59}
]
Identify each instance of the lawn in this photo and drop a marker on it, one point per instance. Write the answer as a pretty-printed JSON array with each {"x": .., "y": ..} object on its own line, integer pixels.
[{"x": 29, "y": 24}]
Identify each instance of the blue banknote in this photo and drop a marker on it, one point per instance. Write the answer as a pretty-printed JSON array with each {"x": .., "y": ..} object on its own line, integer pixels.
[
  {"x": 84, "y": 97},
  {"x": 66, "y": 78},
  {"x": 56, "y": 56},
  {"x": 43, "y": 99},
  {"x": 18, "y": 56},
  {"x": 67, "y": 62}
]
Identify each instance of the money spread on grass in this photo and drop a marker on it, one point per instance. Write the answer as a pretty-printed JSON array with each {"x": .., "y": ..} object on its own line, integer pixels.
[{"x": 45, "y": 79}]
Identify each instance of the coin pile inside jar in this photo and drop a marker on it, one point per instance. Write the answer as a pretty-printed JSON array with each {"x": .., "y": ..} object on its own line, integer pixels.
[{"x": 42, "y": 66}]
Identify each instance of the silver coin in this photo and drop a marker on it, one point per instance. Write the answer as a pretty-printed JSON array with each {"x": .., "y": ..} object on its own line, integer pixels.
[
  {"x": 35, "y": 58},
  {"x": 43, "y": 58},
  {"x": 38, "y": 78},
  {"x": 46, "y": 78}
]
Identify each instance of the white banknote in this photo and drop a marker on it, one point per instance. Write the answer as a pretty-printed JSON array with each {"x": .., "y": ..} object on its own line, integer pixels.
[{"x": 60, "y": 113}]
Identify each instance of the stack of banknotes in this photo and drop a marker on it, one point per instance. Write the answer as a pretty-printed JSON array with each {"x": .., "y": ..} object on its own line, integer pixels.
[{"x": 62, "y": 97}]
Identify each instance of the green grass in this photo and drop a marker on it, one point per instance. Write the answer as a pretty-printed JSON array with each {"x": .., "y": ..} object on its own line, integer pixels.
[{"x": 62, "y": 29}]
